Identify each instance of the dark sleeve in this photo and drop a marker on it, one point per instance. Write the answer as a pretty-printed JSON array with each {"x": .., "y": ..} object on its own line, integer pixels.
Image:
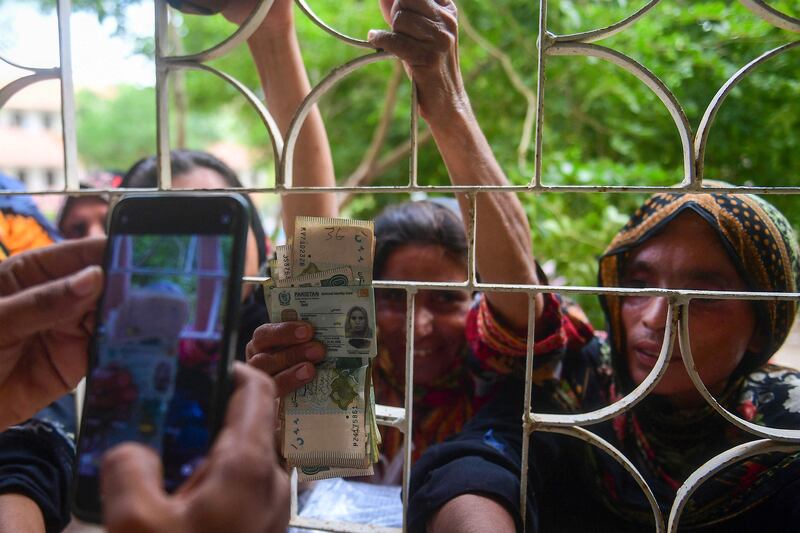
[
  {"x": 253, "y": 313},
  {"x": 36, "y": 460},
  {"x": 781, "y": 512},
  {"x": 783, "y": 508},
  {"x": 485, "y": 459}
]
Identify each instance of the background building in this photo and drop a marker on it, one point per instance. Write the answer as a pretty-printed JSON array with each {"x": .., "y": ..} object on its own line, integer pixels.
[{"x": 30, "y": 128}]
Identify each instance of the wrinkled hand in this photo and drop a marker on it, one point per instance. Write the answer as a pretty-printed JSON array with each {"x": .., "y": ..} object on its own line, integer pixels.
[
  {"x": 47, "y": 302},
  {"x": 286, "y": 352},
  {"x": 425, "y": 36},
  {"x": 240, "y": 486}
]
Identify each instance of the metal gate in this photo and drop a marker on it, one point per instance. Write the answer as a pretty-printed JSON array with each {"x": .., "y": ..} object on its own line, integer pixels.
[{"x": 580, "y": 44}]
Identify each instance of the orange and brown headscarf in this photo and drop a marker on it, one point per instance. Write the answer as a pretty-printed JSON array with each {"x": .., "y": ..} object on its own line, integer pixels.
[{"x": 758, "y": 238}]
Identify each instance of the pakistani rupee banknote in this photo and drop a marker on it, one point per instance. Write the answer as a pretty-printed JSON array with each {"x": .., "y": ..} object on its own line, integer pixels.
[
  {"x": 327, "y": 243},
  {"x": 324, "y": 276}
]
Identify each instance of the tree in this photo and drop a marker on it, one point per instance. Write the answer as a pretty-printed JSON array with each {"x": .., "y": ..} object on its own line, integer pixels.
[{"x": 115, "y": 132}]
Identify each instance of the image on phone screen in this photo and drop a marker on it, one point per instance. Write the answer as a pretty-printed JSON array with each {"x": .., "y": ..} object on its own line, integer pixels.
[{"x": 159, "y": 341}]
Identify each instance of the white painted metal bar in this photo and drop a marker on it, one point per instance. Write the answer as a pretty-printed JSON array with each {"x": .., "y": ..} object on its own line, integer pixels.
[
  {"x": 608, "y": 31},
  {"x": 413, "y": 165},
  {"x": 618, "y": 456},
  {"x": 391, "y": 416},
  {"x": 293, "y": 506},
  {"x": 651, "y": 81},
  {"x": 773, "y": 16},
  {"x": 577, "y": 44},
  {"x": 571, "y": 290},
  {"x": 527, "y": 421},
  {"x": 266, "y": 117},
  {"x": 632, "y": 398},
  {"x": 248, "y": 27},
  {"x": 701, "y": 137},
  {"x": 785, "y": 435},
  {"x": 162, "y": 98},
  {"x": 544, "y": 41},
  {"x": 472, "y": 232},
  {"x": 305, "y": 8},
  {"x": 71, "y": 181},
  {"x": 408, "y": 447},
  {"x": 284, "y": 178},
  {"x": 452, "y": 189},
  {"x": 716, "y": 464},
  {"x": 15, "y": 86}
]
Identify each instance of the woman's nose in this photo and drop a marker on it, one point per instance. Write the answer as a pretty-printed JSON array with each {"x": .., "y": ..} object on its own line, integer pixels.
[
  {"x": 423, "y": 321},
  {"x": 96, "y": 230},
  {"x": 654, "y": 313}
]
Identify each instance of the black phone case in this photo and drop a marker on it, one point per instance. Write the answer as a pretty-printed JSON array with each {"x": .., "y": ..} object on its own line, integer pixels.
[{"x": 170, "y": 214}]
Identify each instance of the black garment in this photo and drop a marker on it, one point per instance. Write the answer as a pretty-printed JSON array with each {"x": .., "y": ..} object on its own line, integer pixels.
[
  {"x": 485, "y": 459},
  {"x": 36, "y": 460},
  {"x": 252, "y": 314}
]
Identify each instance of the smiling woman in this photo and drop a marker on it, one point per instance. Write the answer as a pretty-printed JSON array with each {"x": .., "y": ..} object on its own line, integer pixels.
[{"x": 422, "y": 241}]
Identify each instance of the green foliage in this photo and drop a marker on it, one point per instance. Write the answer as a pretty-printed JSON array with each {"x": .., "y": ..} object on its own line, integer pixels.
[{"x": 114, "y": 132}]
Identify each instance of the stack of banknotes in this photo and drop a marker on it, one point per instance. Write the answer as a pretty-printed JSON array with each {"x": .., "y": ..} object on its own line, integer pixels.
[{"x": 324, "y": 276}]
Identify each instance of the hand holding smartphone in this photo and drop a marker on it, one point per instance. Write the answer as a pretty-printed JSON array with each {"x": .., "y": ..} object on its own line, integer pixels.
[
  {"x": 242, "y": 486},
  {"x": 166, "y": 324}
]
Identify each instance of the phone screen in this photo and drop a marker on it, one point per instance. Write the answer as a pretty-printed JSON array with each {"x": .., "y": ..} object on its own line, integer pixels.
[
  {"x": 159, "y": 354},
  {"x": 158, "y": 349}
]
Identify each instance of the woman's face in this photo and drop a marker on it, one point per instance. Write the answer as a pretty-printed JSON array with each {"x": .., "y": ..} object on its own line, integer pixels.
[
  {"x": 687, "y": 254},
  {"x": 86, "y": 218},
  {"x": 439, "y": 316},
  {"x": 358, "y": 321},
  {"x": 205, "y": 178}
]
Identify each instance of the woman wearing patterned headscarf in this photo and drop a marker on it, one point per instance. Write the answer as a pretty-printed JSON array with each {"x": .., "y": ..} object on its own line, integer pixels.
[{"x": 701, "y": 241}]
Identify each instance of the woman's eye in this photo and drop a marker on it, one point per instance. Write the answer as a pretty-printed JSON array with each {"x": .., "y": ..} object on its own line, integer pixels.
[
  {"x": 707, "y": 303},
  {"x": 449, "y": 297},
  {"x": 634, "y": 283},
  {"x": 391, "y": 296}
]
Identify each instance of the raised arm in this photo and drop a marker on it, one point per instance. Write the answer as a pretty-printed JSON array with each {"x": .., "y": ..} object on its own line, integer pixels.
[
  {"x": 276, "y": 54},
  {"x": 425, "y": 36}
]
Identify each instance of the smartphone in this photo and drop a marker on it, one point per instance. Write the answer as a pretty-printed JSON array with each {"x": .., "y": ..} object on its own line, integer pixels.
[{"x": 160, "y": 358}]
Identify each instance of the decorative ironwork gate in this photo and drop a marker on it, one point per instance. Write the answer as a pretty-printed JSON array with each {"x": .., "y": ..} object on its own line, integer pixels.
[{"x": 579, "y": 44}]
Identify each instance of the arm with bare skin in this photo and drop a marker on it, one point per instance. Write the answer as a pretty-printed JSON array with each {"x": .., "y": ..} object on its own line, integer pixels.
[
  {"x": 20, "y": 514},
  {"x": 425, "y": 36},
  {"x": 239, "y": 487},
  {"x": 276, "y": 54},
  {"x": 471, "y": 513},
  {"x": 47, "y": 301}
]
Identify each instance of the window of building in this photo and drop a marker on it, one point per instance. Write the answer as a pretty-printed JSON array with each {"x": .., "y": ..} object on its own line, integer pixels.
[
  {"x": 17, "y": 118},
  {"x": 50, "y": 177}
]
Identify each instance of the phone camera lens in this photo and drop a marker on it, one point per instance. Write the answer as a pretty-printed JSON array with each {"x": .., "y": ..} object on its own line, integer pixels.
[
  {"x": 124, "y": 219},
  {"x": 225, "y": 219}
]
